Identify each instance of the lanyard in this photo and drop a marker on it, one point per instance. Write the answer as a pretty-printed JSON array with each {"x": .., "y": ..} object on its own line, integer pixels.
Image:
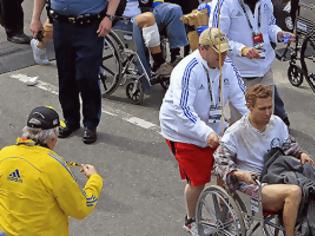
[
  {"x": 247, "y": 17},
  {"x": 210, "y": 88}
]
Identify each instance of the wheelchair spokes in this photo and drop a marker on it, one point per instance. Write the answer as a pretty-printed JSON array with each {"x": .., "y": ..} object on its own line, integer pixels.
[
  {"x": 110, "y": 71},
  {"x": 220, "y": 212},
  {"x": 217, "y": 214},
  {"x": 122, "y": 65},
  {"x": 273, "y": 226},
  {"x": 108, "y": 56},
  {"x": 134, "y": 92},
  {"x": 295, "y": 75}
]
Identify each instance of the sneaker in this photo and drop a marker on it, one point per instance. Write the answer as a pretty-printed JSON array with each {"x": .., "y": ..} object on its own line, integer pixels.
[
  {"x": 191, "y": 226},
  {"x": 165, "y": 70},
  {"x": 40, "y": 55}
]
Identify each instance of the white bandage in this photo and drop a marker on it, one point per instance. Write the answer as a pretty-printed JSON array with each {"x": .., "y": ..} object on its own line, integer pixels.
[{"x": 151, "y": 36}]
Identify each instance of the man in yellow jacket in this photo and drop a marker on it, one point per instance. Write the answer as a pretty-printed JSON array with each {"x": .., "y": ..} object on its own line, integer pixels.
[{"x": 37, "y": 189}]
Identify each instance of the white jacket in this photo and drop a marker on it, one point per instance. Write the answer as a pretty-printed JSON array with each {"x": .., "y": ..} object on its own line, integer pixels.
[
  {"x": 233, "y": 22},
  {"x": 185, "y": 109}
]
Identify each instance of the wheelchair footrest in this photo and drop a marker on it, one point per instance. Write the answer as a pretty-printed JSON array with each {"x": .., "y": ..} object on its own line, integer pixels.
[{"x": 158, "y": 79}]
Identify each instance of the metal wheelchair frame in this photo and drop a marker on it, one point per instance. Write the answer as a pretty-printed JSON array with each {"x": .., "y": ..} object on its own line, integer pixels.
[
  {"x": 123, "y": 67},
  {"x": 304, "y": 48},
  {"x": 224, "y": 212}
]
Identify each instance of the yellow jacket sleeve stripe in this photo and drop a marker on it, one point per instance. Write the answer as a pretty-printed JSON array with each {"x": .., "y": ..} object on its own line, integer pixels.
[{"x": 71, "y": 199}]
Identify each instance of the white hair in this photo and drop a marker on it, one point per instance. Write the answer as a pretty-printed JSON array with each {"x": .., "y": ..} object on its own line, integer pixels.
[{"x": 39, "y": 136}]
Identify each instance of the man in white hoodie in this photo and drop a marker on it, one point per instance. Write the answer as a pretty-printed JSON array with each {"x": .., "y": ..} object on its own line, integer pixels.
[
  {"x": 190, "y": 116},
  {"x": 251, "y": 27}
]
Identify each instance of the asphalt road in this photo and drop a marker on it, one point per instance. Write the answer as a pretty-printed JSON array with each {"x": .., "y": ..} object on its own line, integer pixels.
[{"x": 143, "y": 194}]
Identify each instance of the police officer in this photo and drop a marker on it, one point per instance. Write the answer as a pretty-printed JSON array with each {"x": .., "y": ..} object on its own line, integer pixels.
[{"x": 78, "y": 31}]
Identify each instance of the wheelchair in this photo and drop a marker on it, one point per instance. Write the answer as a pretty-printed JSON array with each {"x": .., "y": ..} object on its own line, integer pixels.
[
  {"x": 303, "y": 49},
  {"x": 121, "y": 66},
  {"x": 225, "y": 212}
]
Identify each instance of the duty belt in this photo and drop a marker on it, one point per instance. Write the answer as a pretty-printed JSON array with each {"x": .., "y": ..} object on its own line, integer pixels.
[{"x": 84, "y": 19}]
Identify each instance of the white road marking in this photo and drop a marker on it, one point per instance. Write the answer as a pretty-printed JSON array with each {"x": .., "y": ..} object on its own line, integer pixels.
[
  {"x": 140, "y": 122},
  {"x": 109, "y": 111},
  {"x": 40, "y": 84}
]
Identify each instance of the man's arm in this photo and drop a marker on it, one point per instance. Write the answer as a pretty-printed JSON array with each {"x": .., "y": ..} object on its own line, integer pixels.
[
  {"x": 276, "y": 34},
  {"x": 273, "y": 29},
  {"x": 36, "y": 24},
  {"x": 72, "y": 200},
  {"x": 224, "y": 162},
  {"x": 237, "y": 88},
  {"x": 237, "y": 48},
  {"x": 292, "y": 148},
  {"x": 225, "y": 24},
  {"x": 106, "y": 24},
  {"x": 184, "y": 85},
  {"x": 226, "y": 168}
]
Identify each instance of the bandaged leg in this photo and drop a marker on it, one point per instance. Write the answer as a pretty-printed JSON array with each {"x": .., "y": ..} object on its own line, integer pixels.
[{"x": 151, "y": 36}]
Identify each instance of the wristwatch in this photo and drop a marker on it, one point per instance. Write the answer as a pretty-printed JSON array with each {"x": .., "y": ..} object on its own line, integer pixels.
[{"x": 110, "y": 17}]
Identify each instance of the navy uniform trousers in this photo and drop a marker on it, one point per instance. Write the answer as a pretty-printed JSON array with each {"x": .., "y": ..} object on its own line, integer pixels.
[
  {"x": 78, "y": 52},
  {"x": 11, "y": 16}
]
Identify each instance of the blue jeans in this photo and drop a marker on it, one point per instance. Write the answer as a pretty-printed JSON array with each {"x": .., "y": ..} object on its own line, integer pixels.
[
  {"x": 279, "y": 105},
  {"x": 123, "y": 25},
  {"x": 78, "y": 52},
  {"x": 167, "y": 17}
]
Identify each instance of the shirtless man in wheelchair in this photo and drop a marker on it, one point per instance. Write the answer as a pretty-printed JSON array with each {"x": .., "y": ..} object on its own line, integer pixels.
[{"x": 243, "y": 146}]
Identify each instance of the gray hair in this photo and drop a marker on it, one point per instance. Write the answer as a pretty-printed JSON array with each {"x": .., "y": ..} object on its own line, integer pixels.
[{"x": 38, "y": 135}]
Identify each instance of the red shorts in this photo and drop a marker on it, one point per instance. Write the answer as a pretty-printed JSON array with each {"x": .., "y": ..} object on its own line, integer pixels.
[{"x": 194, "y": 163}]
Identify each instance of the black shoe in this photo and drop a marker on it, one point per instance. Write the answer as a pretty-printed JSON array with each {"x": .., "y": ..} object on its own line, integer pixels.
[
  {"x": 19, "y": 38},
  {"x": 89, "y": 136},
  {"x": 65, "y": 132}
]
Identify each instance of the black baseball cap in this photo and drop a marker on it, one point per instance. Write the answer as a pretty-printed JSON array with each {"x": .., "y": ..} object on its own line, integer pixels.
[{"x": 43, "y": 117}]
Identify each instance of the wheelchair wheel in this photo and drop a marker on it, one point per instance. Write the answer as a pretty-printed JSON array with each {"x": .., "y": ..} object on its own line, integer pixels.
[
  {"x": 110, "y": 71},
  {"x": 218, "y": 214},
  {"x": 134, "y": 92},
  {"x": 295, "y": 75},
  {"x": 274, "y": 228},
  {"x": 308, "y": 52}
]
